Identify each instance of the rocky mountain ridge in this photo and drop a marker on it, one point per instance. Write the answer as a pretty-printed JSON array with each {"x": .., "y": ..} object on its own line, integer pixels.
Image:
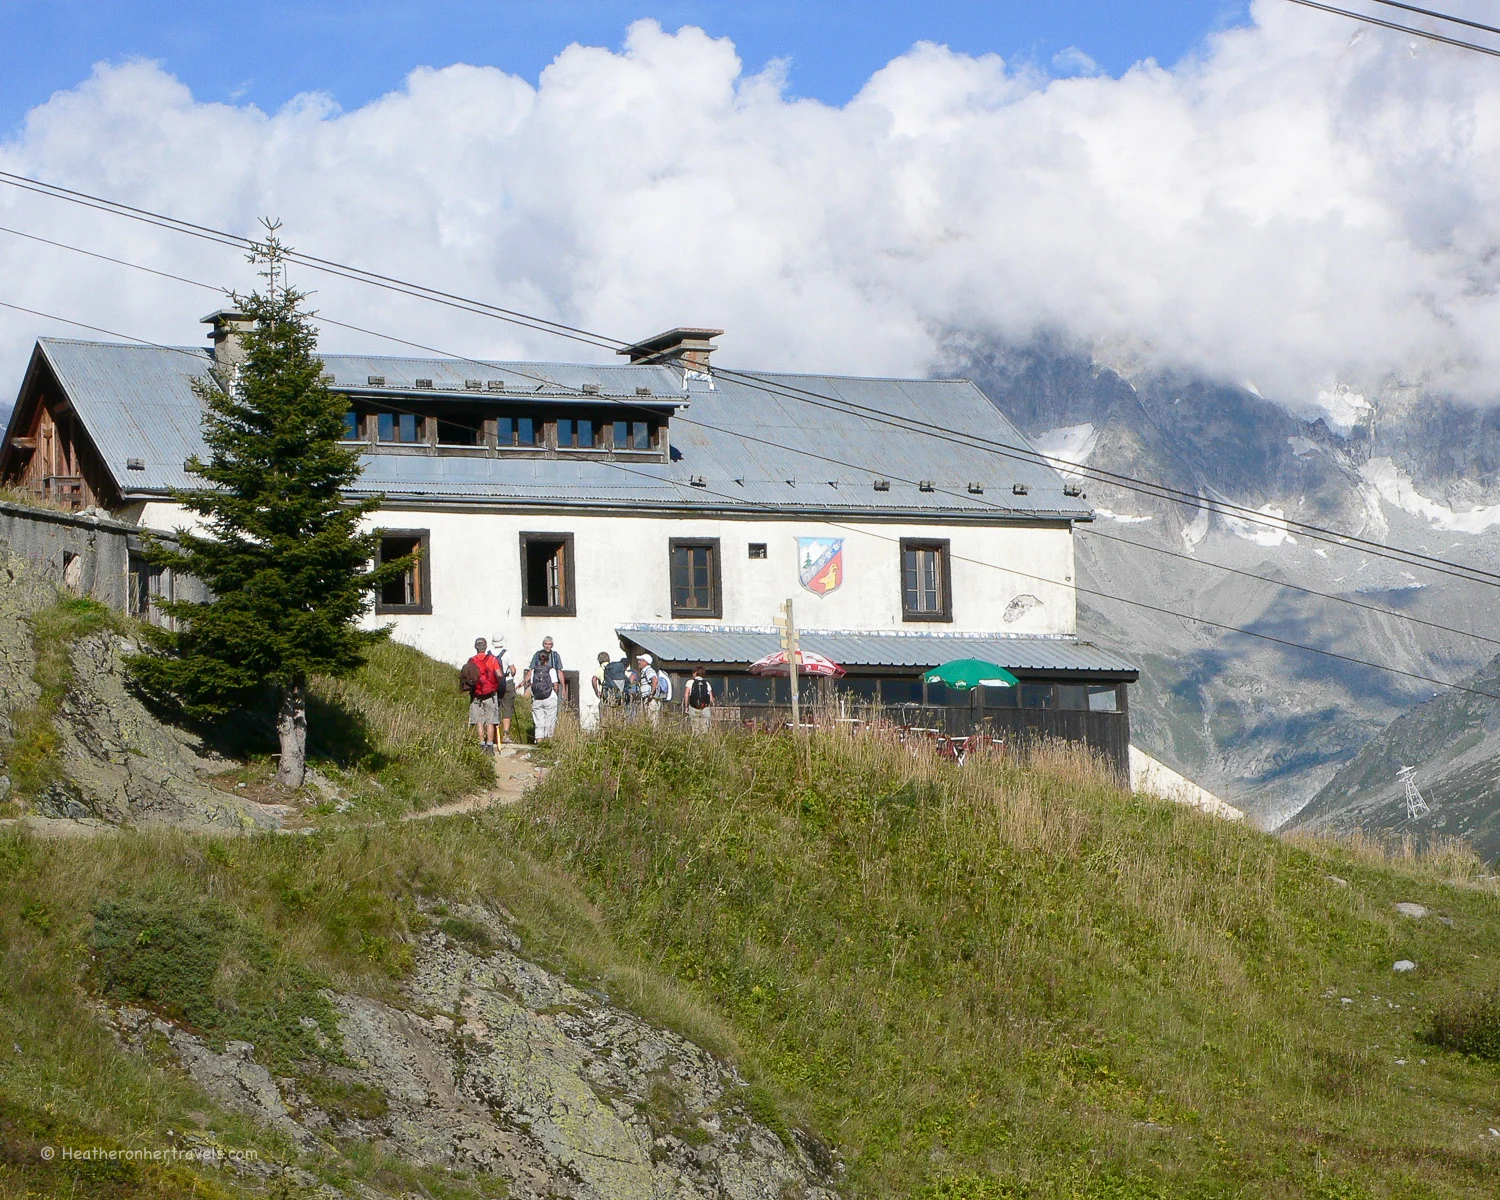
[
  {"x": 1453, "y": 741},
  {"x": 1262, "y": 724}
]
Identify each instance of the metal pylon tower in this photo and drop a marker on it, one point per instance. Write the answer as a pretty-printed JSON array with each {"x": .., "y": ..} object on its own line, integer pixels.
[{"x": 1416, "y": 805}]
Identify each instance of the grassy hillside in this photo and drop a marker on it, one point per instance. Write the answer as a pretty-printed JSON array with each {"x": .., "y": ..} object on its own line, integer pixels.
[
  {"x": 997, "y": 982},
  {"x": 976, "y": 983}
]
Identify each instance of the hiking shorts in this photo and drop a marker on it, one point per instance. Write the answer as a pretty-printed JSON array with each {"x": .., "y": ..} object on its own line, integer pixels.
[
  {"x": 508, "y": 704},
  {"x": 484, "y": 711}
]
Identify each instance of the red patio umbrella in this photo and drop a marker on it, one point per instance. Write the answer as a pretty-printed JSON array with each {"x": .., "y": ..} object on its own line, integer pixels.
[{"x": 808, "y": 663}]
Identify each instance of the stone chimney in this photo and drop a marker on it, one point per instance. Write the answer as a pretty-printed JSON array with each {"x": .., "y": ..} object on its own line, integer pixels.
[
  {"x": 228, "y": 324},
  {"x": 687, "y": 348}
]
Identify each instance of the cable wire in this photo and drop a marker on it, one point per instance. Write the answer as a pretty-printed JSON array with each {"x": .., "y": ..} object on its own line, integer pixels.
[
  {"x": 969, "y": 499},
  {"x": 1441, "y": 16},
  {"x": 1266, "y": 637},
  {"x": 1077, "y": 587},
  {"x": 894, "y": 420},
  {"x": 1415, "y": 32}
]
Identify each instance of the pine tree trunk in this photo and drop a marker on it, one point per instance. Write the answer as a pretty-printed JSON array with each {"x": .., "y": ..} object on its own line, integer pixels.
[{"x": 291, "y": 728}]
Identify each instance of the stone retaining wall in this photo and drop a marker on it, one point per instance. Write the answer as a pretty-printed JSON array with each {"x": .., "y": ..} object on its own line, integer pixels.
[{"x": 92, "y": 554}]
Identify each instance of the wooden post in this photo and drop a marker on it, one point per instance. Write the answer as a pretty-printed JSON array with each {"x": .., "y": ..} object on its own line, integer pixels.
[{"x": 788, "y": 626}]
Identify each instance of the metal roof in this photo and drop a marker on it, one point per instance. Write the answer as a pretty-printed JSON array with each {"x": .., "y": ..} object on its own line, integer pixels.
[
  {"x": 755, "y": 445},
  {"x": 850, "y": 648}
]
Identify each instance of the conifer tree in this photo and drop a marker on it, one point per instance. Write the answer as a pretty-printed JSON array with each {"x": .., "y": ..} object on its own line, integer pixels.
[{"x": 280, "y": 548}]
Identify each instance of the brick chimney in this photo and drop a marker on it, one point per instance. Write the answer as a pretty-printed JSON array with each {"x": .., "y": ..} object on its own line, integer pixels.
[
  {"x": 228, "y": 324},
  {"x": 687, "y": 348}
]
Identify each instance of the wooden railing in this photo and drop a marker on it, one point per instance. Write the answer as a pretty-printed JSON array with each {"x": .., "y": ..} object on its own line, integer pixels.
[{"x": 1107, "y": 733}]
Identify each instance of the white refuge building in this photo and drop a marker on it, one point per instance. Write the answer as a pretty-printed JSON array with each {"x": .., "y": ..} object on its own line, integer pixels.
[{"x": 656, "y": 504}]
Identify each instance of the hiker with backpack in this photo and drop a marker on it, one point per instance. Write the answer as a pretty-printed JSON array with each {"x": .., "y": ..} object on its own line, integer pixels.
[
  {"x": 507, "y": 696},
  {"x": 650, "y": 684},
  {"x": 698, "y": 702},
  {"x": 546, "y": 683},
  {"x": 481, "y": 678},
  {"x": 612, "y": 684}
]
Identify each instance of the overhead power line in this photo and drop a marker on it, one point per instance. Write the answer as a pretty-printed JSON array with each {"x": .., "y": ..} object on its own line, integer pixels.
[
  {"x": 862, "y": 467},
  {"x": 776, "y": 387},
  {"x": 1141, "y": 604},
  {"x": 738, "y": 502},
  {"x": 1440, "y": 16},
  {"x": 1411, "y": 29}
]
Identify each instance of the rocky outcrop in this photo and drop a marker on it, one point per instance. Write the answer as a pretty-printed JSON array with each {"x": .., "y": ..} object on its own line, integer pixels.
[
  {"x": 126, "y": 767},
  {"x": 492, "y": 1065},
  {"x": 120, "y": 764}
]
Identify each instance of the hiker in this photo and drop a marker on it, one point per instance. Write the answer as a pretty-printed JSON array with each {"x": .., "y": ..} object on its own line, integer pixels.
[
  {"x": 601, "y": 678},
  {"x": 481, "y": 678},
  {"x": 646, "y": 674},
  {"x": 698, "y": 702},
  {"x": 507, "y": 696},
  {"x": 544, "y": 679}
]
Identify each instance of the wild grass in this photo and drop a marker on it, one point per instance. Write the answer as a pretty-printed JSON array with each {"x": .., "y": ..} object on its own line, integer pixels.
[
  {"x": 1442, "y": 858},
  {"x": 392, "y": 736},
  {"x": 26, "y": 498},
  {"x": 32, "y": 757},
  {"x": 401, "y": 721},
  {"x": 235, "y": 937},
  {"x": 1015, "y": 979}
]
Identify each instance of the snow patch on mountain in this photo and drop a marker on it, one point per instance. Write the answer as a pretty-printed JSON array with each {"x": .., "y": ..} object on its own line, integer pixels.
[
  {"x": 1069, "y": 446},
  {"x": 1270, "y": 530},
  {"x": 1196, "y": 529},
  {"x": 1122, "y": 518},
  {"x": 1394, "y": 486},
  {"x": 1301, "y": 446},
  {"x": 1342, "y": 409}
]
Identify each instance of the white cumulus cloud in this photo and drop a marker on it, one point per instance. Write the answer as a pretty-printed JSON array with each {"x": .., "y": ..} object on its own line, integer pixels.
[{"x": 1303, "y": 203}]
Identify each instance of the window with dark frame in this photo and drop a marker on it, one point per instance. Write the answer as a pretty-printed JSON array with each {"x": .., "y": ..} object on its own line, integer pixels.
[
  {"x": 399, "y": 428},
  {"x": 410, "y": 591},
  {"x": 757, "y": 549},
  {"x": 630, "y": 435},
  {"x": 517, "y": 431},
  {"x": 351, "y": 427},
  {"x": 577, "y": 433},
  {"x": 695, "y": 579},
  {"x": 458, "y": 431},
  {"x": 547, "y": 575},
  {"x": 925, "y": 581}
]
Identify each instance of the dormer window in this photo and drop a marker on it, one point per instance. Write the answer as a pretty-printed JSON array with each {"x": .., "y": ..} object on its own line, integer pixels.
[
  {"x": 631, "y": 435},
  {"x": 459, "y": 432},
  {"x": 399, "y": 428},
  {"x": 516, "y": 431},
  {"x": 525, "y": 425}
]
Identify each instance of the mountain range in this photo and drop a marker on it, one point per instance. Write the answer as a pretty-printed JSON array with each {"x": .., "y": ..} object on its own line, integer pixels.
[{"x": 1197, "y": 592}]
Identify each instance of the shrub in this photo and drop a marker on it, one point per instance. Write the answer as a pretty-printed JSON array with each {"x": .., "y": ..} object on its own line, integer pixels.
[
  {"x": 205, "y": 966},
  {"x": 1467, "y": 1026}
]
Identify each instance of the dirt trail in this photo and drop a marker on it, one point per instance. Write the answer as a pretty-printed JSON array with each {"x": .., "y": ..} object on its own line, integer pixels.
[{"x": 513, "y": 775}]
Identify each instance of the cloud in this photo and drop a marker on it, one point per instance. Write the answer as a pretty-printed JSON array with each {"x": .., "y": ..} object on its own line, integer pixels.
[{"x": 1302, "y": 203}]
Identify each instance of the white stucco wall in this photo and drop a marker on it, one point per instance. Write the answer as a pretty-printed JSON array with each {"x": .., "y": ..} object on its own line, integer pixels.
[
  {"x": 621, "y": 576},
  {"x": 1152, "y": 777}
]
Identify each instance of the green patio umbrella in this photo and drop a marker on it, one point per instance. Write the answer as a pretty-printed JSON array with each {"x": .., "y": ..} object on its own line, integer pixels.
[{"x": 965, "y": 673}]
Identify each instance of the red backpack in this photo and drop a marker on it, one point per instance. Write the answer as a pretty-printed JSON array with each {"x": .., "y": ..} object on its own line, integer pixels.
[{"x": 487, "y": 681}]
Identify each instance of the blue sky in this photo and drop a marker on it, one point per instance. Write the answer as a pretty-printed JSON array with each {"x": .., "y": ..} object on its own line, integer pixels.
[{"x": 266, "y": 51}]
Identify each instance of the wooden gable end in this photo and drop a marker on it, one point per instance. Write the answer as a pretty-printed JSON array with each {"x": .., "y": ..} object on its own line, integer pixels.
[{"x": 47, "y": 451}]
